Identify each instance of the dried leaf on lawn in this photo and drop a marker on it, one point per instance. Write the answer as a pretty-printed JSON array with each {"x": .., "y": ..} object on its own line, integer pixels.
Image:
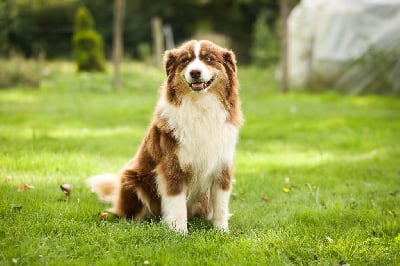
[
  {"x": 103, "y": 215},
  {"x": 24, "y": 187},
  {"x": 66, "y": 189},
  {"x": 265, "y": 198}
]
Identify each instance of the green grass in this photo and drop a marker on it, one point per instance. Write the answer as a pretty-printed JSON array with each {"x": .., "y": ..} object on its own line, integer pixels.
[{"x": 337, "y": 157}]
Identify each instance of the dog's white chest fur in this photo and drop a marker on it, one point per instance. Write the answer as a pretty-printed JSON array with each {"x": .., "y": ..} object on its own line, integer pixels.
[{"x": 206, "y": 141}]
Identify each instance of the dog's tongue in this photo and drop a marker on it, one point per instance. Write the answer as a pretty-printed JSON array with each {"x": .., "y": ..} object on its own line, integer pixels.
[{"x": 198, "y": 86}]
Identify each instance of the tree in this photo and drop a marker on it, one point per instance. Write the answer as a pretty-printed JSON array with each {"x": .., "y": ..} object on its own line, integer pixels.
[
  {"x": 265, "y": 42},
  {"x": 118, "y": 49},
  {"x": 88, "y": 44},
  {"x": 284, "y": 6},
  {"x": 158, "y": 40}
]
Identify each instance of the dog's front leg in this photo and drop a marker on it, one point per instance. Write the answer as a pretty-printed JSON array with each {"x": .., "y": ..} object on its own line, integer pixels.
[
  {"x": 174, "y": 211},
  {"x": 173, "y": 198},
  {"x": 220, "y": 194}
]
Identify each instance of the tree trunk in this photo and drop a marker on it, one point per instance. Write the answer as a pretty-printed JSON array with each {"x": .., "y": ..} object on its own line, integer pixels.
[
  {"x": 119, "y": 6},
  {"x": 158, "y": 40},
  {"x": 284, "y": 7}
]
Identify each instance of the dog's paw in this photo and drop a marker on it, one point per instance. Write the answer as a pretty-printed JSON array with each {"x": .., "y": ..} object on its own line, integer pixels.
[
  {"x": 180, "y": 228},
  {"x": 182, "y": 231},
  {"x": 221, "y": 226}
]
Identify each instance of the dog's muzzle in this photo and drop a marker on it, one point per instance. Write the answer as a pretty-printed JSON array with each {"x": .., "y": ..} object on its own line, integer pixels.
[{"x": 197, "y": 83}]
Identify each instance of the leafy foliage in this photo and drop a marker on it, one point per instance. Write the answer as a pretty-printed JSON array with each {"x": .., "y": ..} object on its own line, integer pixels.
[
  {"x": 18, "y": 71},
  {"x": 265, "y": 42},
  {"x": 380, "y": 64},
  {"x": 376, "y": 71},
  {"x": 88, "y": 44},
  {"x": 83, "y": 20},
  {"x": 38, "y": 25}
]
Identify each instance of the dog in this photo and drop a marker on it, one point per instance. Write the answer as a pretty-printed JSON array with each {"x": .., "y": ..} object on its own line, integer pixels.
[{"x": 184, "y": 165}]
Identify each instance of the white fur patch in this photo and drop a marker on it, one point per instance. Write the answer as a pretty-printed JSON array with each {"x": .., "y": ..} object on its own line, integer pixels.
[
  {"x": 197, "y": 48},
  {"x": 173, "y": 208},
  {"x": 105, "y": 186},
  {"x": 206, "y": 141},
  {"x": 174, "y": 212},
  {"x": 197, "y": 64}
]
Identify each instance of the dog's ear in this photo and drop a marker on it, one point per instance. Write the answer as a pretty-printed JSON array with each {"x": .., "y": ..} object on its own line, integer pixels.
[
  {"x": 230, "y": 60},
  {"x": 170, "y": 58}
]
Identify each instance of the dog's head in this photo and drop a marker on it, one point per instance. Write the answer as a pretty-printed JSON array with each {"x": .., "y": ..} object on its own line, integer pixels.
[{"x": 200, "y": 67}]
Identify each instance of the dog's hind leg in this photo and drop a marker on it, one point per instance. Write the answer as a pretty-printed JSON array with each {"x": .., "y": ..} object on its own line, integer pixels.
[{"x": 129, "y": 205}]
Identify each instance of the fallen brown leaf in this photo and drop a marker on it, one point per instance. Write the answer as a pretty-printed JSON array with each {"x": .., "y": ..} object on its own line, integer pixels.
[
  {"x": 265, "y": 198},
  {"x": 103, "y": 215},
  {"x": 66, "y": 189},
  {"x": 24, "y": 187}
]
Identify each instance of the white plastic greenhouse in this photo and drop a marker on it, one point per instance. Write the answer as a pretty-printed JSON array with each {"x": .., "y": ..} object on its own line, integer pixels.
[{"x": 349, "y": 45}]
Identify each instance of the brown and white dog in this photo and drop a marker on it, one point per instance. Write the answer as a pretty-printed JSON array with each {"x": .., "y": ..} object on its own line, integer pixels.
[{"x": 184, "y": 165}]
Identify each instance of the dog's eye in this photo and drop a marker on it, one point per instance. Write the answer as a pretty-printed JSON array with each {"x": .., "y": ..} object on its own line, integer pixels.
[
  {"x": 209, "y": 58},
  {"x": 185, "y": 61}
]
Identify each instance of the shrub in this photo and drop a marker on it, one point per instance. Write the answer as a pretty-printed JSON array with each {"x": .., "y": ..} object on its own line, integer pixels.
[
  {"x": 144, "y": 52},
  {"x": 18, "y": 71},
  {"x": 265, "y": 42},
  {"x": 88, "y": 44},
  {"x": 378, "y": 71}
]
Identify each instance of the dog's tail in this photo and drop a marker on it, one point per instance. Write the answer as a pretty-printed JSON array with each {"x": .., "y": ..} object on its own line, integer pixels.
[{"x": 105, "y": 186}]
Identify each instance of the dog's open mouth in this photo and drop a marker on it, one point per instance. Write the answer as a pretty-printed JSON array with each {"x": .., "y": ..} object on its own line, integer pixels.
[{"x": 199, "y": 86}]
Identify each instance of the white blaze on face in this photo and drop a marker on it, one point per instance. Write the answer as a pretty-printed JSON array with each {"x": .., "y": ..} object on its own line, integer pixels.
[{"x": 197, "y": 74}]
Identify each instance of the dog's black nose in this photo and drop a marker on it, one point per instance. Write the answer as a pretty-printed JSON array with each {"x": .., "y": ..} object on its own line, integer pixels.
[{"x": 195, "y": 73}]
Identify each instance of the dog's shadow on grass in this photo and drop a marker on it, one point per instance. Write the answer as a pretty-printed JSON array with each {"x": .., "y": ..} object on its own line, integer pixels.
[
  {"x": 196, "y": 224},
  {"x": 199, "y": 224}
]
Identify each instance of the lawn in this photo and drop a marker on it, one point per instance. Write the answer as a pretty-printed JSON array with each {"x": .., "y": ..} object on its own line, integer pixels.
[{"x": 317, "y": 176}]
